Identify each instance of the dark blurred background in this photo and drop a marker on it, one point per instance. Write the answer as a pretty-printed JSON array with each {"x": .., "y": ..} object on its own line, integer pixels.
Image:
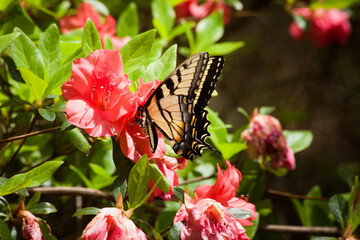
[{"x": 311, "y": 88}]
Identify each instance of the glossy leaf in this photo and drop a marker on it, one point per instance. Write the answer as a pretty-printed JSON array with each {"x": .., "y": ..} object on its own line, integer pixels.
[
  {"x": 174, "y": 233},
  {"x": 49, "y": 48},
  {"x": 7, "y": 40},
  {"x": 78, "y": 140},
  {"x": 238, "y": 213},
  {"x": 333, "y": 4},
  {"x": 209, "y": 30},
  {"x": 33, "y": 201},
  {"x": 179, "y": 193},
  {"x": 43, "y": 208},
  {"x": 161, "y": 68},
  {"x": 219, "y": 49},
  {"x": 134, "y": 54},
  {"x": 4, "y": 231},
  {"x": 90, "y": 38},
  {"x": 156, "y": 174},
  {"x": 45, "y": 230},
  {"x": 298, "y": 140},
  {"x": 163, "y": 16},
  {"x": 35, "y": 83},
  {"x": 128, "y": 22},
  {"x": 87, "y": 211},
  {"x": 47, "y": 114},
  {"x": 339, "y": 208},
  {"x": 26, "y": 55},
  {"x": 138, "y": 181},
  {"x": 32, "y": 178},
  {"x": 301, "y": 22},
  {"x": 251, "y": 230},
  {"x": 119, "y": 187}
]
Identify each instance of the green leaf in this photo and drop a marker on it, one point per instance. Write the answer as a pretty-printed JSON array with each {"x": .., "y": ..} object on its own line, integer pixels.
[
  {"x": 128, "y": 22},
  {"x": 102, "y": 178},
  {"x": 163, "y": 17},
  {"x": 265, "y": 110},
  {"x": 298, "y": 140},
  {"x": 179, "y": 193},
  {"x": 4, "y": 231},
  {"x": 264, "y": 207},
  {"x": 224, "y": 48},
  {"x": 230, "y": 149},
  {"x": 236, "y": 4},
  {"x": 134, "y": 54},
  {"x": 47, "y": 114},
  {"x": 333, "y": 4},
  {"x": 61, "y": 75},
  {"x": 217, "y": 128},
  {"x": 161, "y": 68},
  {"x": 301, "y": 22},
  {"x": 33, "y": 201},
  {"x": 180, "y": 29},
  {"x": 78, "y": 139},
  {"x": 119, "y": 186},
  {"x": 82, "y": 176},
  {"x": 43, "y": 208},
  {"x": 35, "y": 83},
  {"x": 108, "y": 43},
  {"x": 7, "y": 40},
  {"x": 243, "y": 112},
  {"x": 90, "y": 38},
  {"x": 209, "y": 30},
  {"x": 339, "y": 208},
  {"x": 251, "y": 230},
  {"x": 139, "y": 179},
  {"x": 32, "y": 178},
  {"x": 155, "y": 51},
  {"x": 45, "y": 230},
  {"x": 25, "y": 55},
  {"x": 156, "y": 174},
  {"x": 238, "y": 213},
  {"x": 49, "y": 47},
  {"x": 87, "y": 211},
  {"x": 174, "y": 232}
]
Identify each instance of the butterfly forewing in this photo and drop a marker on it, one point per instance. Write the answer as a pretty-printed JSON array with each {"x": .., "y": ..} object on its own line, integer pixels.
[{"x": 176, "y": 107}]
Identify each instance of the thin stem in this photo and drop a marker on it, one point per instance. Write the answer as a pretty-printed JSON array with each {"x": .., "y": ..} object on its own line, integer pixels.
[
  {"x": 198, "y": 179},
  {"x": 297, "y": 196},
  {"x": 334, "y": 231},
  {"x": 21, "y": 144},
  {"x": 24, "y": 136},
  {"x": 72, "y": 191}
]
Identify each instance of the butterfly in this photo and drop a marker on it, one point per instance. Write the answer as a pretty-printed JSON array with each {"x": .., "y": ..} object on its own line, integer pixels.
[{"x": 177, "y": 106}]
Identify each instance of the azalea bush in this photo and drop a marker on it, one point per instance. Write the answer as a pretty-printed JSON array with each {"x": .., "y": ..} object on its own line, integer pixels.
[{"x": 75, "y": 163}]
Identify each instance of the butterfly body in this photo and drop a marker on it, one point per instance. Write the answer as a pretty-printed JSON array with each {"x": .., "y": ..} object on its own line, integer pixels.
[{"x": 176, "y": 107}]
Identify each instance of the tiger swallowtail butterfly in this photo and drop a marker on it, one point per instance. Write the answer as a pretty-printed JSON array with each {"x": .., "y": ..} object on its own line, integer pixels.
[{"x": 177, "y": 105}]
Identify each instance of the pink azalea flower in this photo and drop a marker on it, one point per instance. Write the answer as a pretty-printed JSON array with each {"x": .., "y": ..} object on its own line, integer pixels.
[
  {"x": 98, "y": 93},
  {"x": 325, "y": 26},
  {"x": 111, "y": 224},
  {"x": 85, "y": 11},
  {"x": 134, "y": 142},
  {"x": 30, "y": 224},
  {"x": 265, "y": 137},
  {"x": 206, "y": 216},
  {"x": 198, "y": 9},
  {"x": 168, "y": 166}
]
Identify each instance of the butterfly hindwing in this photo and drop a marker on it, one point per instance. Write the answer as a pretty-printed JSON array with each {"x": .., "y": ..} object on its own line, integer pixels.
[{"x": 176, "y": 107}]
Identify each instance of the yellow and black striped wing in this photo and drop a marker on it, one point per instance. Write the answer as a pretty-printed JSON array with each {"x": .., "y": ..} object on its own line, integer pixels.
[{"x": 176, "y": 107}]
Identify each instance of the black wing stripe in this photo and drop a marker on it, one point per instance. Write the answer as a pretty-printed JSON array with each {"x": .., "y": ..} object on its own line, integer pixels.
[
  {"x": 207, "y": 85},
  {"x": 176, "y": 107}
]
